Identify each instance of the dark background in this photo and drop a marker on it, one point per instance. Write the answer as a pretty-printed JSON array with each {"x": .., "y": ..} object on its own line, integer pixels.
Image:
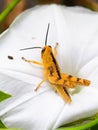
[{"x": 24, "y": 4}]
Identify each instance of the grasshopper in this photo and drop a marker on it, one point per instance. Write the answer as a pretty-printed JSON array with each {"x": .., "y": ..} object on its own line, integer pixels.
[{"x": 52, "y": 73}]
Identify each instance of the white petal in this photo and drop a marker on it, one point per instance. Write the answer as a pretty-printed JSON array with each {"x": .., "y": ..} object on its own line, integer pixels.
[
  {"x": 28, "y": 109},
  {"x": 76, "y": 31}
]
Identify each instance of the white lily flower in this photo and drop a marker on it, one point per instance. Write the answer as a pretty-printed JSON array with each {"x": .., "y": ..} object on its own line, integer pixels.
[{"x": 75, "y": 29}]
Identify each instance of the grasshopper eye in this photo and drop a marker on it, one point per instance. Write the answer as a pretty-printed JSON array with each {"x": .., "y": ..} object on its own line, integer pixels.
[
  {"x": 43, "y": 50},
  {"x": 50, "y": 46}
]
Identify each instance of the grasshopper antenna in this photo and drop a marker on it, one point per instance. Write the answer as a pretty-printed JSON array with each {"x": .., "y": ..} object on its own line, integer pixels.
[
  {"x": 30, "y": 48},
  {"x": 39, "y": 47},
  {"x": 47, "y": 34}
]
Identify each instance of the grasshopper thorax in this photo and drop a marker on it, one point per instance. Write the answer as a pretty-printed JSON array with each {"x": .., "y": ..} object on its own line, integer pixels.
[{"x": 46, "y": 56}]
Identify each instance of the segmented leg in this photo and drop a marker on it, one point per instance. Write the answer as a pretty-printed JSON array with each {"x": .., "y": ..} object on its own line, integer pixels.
[
  {"x": 39, "y": 85},
  {"x": 32, "y": 61},
  {"x": 76, "y": 80},
  {"x": 55, "y": 50},
  {"x": 45, "y": 78}
]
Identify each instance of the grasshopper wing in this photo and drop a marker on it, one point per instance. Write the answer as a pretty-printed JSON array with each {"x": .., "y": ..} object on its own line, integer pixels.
[{"x": 63, "y": 93}]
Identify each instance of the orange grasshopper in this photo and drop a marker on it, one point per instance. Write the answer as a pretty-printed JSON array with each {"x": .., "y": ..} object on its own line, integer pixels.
[{"x": 52, "y": 73}]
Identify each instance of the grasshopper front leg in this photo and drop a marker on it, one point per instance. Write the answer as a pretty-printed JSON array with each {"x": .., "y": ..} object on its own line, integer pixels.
[
  {"x": 39, "y": 85},
  {"x": 38, "y": 63},
  {"x": 32, "y": 61},
  {"x": 45, "y": 78},
  {"x": 55, "y": 50}
]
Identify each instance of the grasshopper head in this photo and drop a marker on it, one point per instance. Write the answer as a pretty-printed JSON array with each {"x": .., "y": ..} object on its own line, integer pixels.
[{"x": 46, "y": 50}]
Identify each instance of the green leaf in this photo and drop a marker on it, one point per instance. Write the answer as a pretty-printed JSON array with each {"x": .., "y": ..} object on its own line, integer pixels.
[
  {"x": 92, "y": 124},
  {"x": 2, "y": 125},
  {"x": 9, "y": 129},
  {"x": 4, "y": 96},
  {"x": 94, "y": 127}
]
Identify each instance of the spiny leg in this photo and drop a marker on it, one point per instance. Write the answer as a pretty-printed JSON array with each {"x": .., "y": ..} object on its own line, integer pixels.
[
  {"x": 75, "y": 80},
  {"x": 83, "y": 82},
  {"x": 39, "y": 85},
  {"x": 32, "y": 61},
  {"x": 55, "y": 50},
  {"x": 78, "y": 81},
  {"x": 45, "y": 78}
]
